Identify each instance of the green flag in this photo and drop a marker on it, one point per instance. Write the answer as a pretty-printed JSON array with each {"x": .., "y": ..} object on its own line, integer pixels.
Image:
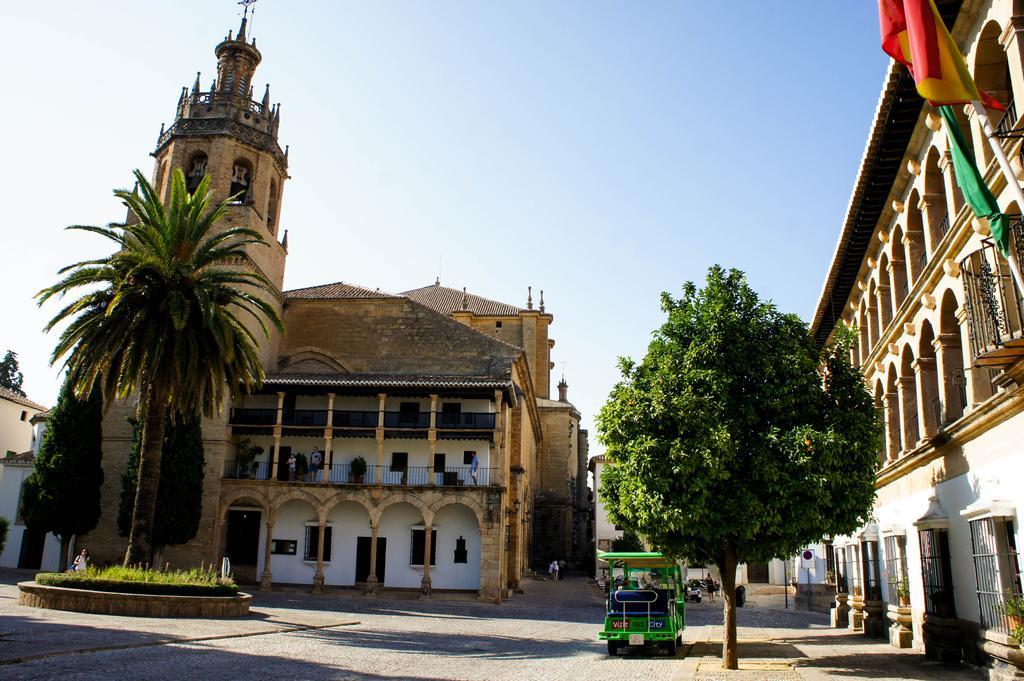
[{"x": 969, "y": 179}]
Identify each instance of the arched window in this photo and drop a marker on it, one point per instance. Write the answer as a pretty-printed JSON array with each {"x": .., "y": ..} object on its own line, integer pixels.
[
  {"x": 936, "y": 206},
  {"x": 908, "y": 400},
  {"x": 931, "y": 411},
  {"x": 894, "y": 429},
  {"x": 862, "y": 328},
  {"x": 195, "y": 171},
  {"x": 880, "y": 406},
  {"x": 916, "y": 255},
  {"x": 900, "y": 285},
  {"x": 272, "y": 207},
  {"x": 884, "y": 293},
  {"x": 874, "y": 326},
  {"x": 992, "y": 74},
  {"x": 951, "y": 360},
  {"x": 241, "y": 181}
]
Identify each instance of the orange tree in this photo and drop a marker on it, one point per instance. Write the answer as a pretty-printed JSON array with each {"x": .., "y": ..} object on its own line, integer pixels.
[
  {"x": 164, "y": 317},
  {"x": 735, "y": 439}
]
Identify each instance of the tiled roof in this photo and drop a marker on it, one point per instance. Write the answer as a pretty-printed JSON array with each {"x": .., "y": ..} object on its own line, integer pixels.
[
  {"x": 12, "y": 396},
  {"x": 387, "y": 380},
  {"x": 24, "y": 457},
  {"x": 339, "y": 290},
  {"x": 447, "y": 300}
]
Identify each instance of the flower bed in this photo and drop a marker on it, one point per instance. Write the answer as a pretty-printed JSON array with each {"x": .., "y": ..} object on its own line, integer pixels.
[{"x": 136, "y": 580}]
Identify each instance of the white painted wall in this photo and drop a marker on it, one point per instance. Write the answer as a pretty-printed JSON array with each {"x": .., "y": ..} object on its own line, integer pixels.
[
  {"x": 12, "y": 477},
  {"x": 451, "y": 522},
  {"x": 15, "y": 428},
  {"x": 604, "y": 529}
]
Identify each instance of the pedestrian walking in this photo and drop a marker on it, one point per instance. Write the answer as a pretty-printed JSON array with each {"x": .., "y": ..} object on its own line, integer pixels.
[
  {"x": 474, "y": 464},
  {"x": 553, "y": 570},
  {"x": 291, "y": 467},
  {"x": 709, "y": 584},
  {"x": 316, "y": 458},
  {"x": 81, "y": 563}
]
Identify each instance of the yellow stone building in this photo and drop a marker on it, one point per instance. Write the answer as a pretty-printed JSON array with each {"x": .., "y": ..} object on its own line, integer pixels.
[
  {"x": 940, "y": 330},
  {"x": 400, "y": 440}
]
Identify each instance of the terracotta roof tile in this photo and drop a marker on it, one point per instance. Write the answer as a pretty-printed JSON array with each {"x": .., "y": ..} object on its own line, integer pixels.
[
  {"x": 447, "y": 300},
  {"x": 339, "y": 290},
  {"x": 12, "y": 396},
  {"x": 24, "y": 457}
]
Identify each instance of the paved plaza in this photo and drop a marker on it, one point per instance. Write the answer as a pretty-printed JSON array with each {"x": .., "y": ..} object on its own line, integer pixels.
[{"x": 547, "y": 633}]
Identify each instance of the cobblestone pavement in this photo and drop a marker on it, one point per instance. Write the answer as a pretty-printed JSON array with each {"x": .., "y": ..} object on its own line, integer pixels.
[{"x": 549, "y": 633}]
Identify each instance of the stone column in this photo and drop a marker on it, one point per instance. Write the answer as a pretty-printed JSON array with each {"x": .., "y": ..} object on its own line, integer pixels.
[
  {"x": 371, "y": 579},
  {"x": 908, "y": 411},
  {"x": 978, "y": 389},
  {"x": 892, "y": 425},
  {"x": 277, "y": 437},
  {"x": 266, "y": 577},
  {"x": 933, "y": 209},
  {"x": 884, "y": 309},
  {"x": 329, "y": 438},
  {"x": 432, "y": 441},
  {"x": 915, "y": 249},
  {"x": 491, "y": 549},
  {"x": 856, "y": 615},
  {"x": 948, "y": 361},
  {"x": 897, "y": 265},
  {"x": 381, "y": 397},
  {"x": 924, "y": 367},
  {"x": 428, "y": 541},
  {"x": 954, "y": 197},
  {"x": 318, "y": 578}
]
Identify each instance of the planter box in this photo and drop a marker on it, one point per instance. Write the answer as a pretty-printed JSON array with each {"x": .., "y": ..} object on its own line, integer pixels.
[{"x": 133, "y": 605}]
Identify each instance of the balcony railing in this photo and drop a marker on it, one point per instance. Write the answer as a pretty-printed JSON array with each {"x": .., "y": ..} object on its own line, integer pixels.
[
  {"x": 341, "y": 474},
  {"x": 466, "y": 420},
  {"x": 343, "y": 418},
  {"x": 253, "y": 417},
  {"x": 994, "y": 305},
  {"x": 249, "y": 470},
  {"x": 397, "y": 419},
  {"x": 1005, "y": 126},
  {"x": 942, "y": 229},
  {"x": 355, "y": 419}
]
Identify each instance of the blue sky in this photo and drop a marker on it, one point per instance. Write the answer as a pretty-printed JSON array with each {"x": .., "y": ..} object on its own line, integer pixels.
[{"x": 602, "y": 151}]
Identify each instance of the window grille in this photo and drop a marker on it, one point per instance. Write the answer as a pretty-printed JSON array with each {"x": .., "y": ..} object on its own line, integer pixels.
[
  {"x": 937, "y": 573},
  {"x": 895, "y": 564},
  {"x": 996, "y": 568},
  {"x": 842, "y": 586},
  {"x": 870, "y": 570}
]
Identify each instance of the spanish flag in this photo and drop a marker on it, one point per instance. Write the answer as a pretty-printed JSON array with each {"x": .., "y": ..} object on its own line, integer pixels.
[{"x": 914, "y": 35}]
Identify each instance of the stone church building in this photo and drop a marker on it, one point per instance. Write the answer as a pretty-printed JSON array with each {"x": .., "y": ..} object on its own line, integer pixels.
[{"x": 444, "y": 461}]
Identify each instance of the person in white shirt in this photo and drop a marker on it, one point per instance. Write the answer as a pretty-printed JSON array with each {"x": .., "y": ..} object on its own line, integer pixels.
[{"x": 82, "y": 561}]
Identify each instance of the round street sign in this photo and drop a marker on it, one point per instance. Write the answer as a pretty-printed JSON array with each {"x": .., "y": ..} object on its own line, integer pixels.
[{"x": 808, "y": 554}]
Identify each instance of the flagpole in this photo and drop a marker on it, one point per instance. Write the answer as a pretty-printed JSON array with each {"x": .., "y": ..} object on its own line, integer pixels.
[{"x": 1011, "y": 181}]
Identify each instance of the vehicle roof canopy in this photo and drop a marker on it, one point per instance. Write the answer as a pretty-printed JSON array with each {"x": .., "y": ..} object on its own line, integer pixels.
[{"x": 637, "y": 559}]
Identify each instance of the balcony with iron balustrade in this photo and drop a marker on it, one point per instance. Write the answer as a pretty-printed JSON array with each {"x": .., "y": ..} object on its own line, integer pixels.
[{"x": 994, "y": 304}]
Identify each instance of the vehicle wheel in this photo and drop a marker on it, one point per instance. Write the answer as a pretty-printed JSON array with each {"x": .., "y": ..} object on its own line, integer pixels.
[
  {"x": 672, "y": 647},
  {"x": 613, "y": 647}
]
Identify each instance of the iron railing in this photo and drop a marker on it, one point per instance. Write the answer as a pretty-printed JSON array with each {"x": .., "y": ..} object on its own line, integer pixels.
[
  {"x": 994, "y": 305},
  {"x": 937, "y": 572},
  {"x": 343, "y": 418},
  {"x": 247, "y": 470},
  {"x": 398, "y": 419},
  {"x": 466, "y": 420},
  {"x": 942, "y": 229},
  {"x": 304, "y": 417},
  {"x": 1005, "y": 126},
  {"x": 341, "y": 474},
  {"x": 996, "y": 568},
  {"x": 253, "y": 417},
  {"x": 346, "y": 418},
  {"x": 940, "y": 417}
]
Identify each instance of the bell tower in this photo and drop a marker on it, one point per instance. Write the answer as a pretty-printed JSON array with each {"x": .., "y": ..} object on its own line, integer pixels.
[{"x": 223, "y": 133}]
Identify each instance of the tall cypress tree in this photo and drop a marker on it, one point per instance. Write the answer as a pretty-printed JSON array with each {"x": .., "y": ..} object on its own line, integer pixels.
[
  {"x": 62, "y": 495},
  {"x": 179, "y": 504},
  {"x": 10, "y": 376}
]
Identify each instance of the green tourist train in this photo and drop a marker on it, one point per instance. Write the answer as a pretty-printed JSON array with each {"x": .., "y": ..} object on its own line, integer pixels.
[{"x": 646, "y": 604}]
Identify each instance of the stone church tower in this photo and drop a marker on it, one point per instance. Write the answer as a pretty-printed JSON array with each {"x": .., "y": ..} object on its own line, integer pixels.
[{"x": 225, "y": 134}]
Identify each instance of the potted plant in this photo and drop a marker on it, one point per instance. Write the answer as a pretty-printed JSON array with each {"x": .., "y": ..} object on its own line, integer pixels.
[
  {"x": 246, "y": 457},
  {"x": 903, "y": 591},
  {"x": 357, "y": 470},
  {"x": 1013, "y": 608}
]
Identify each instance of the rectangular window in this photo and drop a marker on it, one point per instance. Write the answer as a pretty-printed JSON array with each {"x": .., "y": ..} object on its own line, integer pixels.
[
  {"x": 24, "y": 415},
  {"x": 408, "y": 413},
  {"x": 937, "y": 573},
  {"x": 895, "y": 564},
  {"x": 418, "y": 547},
  {"x": 312, "y": 539},
  {"x": 842, "y": 585},
  {"x": 439, "y": 462},
  {"x": 287, "y": 547},
  {"x": 996, "y": 568},
  {"x": 399, "y": 462},
  {"x": 467, "y": 458},
  {"x": 497, "y": 325},
  {"x": 830, "y": 561}
]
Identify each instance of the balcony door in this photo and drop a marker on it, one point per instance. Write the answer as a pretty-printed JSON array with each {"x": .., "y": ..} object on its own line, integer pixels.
[{"x": 283, "y": 452}]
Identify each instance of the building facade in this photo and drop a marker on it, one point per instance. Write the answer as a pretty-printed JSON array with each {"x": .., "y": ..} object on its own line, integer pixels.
[
  {"x": 399, "y": 440},
  {"x": 940, "y": 334}
]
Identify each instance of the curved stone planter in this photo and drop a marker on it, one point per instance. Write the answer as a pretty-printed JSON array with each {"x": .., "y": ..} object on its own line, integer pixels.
[{"x": 134, "y": 605}]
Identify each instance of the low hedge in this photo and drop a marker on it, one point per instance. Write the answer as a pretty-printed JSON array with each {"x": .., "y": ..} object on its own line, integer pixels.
[{"x": 72, "y": 580}]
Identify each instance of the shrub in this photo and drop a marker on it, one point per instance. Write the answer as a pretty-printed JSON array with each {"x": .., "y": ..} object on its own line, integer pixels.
[
  {"x": 359, "y": 466},
  {"x": 139, "y": 580}
]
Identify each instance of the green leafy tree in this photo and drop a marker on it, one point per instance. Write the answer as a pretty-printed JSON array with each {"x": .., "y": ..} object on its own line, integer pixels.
[
  {"x": 179, "y": 505},
  {"x": 62, "y": 495},
  {"x": 734, "y": 439},
  {"x": 627, "y": 542},
  {"x": 10, "y": 376},
  {"x": 5, "y": 525},
  {"x": 164, "y": 317}
]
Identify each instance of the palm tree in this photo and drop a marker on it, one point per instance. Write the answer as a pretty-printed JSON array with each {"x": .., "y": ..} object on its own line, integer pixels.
[{"x": 166, "y": 317}]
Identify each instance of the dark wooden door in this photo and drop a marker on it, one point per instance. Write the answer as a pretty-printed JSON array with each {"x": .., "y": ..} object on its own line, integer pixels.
[
  {"x": 31, "y": 555},
  {"x": 243, "y": 544},
  {"x": 757, "y": 573},
  {"x": 363, "y": 558}
]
